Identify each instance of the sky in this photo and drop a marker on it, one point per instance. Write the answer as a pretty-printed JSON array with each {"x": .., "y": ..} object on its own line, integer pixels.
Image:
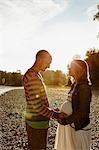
[{"x": 63, "y": 27}]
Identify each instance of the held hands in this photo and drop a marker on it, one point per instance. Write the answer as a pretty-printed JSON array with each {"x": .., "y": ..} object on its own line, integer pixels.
[
  {"x": 57, "y": 109},
  {"x": 60, "y": 117}
]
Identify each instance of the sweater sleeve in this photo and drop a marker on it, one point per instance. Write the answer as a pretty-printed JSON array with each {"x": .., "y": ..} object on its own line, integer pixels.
[
  {"x": 83, "y": 107},
  {"x": 37, "y": 101}
]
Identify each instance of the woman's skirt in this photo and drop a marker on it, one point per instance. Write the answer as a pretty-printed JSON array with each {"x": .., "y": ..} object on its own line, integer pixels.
[{"x": 69, "y": 139}]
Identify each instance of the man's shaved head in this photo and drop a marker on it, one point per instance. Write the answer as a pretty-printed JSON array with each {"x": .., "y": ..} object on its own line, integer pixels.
[{"x": 42, "y": 54}]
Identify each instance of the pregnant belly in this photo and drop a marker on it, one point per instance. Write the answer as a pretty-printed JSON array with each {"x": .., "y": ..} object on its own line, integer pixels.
[{"x": 66, "y": 107}]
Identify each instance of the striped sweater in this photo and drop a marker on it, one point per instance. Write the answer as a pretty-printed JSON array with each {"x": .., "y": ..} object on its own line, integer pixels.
[{"x": 35, "y": 92}]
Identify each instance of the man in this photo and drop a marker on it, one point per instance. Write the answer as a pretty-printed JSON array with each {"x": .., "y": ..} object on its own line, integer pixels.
[{"x": 38, "y": 112}]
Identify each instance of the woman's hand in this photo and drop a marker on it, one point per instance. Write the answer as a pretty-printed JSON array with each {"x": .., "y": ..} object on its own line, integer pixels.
[{"x": 62, "y": 118}]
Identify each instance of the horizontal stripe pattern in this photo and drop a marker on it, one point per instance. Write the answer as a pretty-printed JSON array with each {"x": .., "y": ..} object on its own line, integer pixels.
[{"x": 36, "y": 96}]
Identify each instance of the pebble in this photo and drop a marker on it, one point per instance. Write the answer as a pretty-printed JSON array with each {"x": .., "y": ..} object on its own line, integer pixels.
[{"x": 13, "y": 134}]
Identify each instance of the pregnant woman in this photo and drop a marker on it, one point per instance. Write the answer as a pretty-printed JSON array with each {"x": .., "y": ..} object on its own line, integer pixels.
[{"x": 73, "y": 132}]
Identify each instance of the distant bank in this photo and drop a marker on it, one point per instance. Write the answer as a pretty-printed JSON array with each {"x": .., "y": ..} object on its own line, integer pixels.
[{"x": 4, "y": 89}]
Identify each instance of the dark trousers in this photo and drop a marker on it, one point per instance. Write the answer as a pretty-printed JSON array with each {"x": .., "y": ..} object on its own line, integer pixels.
[{"x": 37, "y": 138}]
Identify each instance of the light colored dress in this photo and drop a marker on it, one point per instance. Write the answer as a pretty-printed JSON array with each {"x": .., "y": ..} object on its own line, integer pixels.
[{"x": 66, "y": 136}]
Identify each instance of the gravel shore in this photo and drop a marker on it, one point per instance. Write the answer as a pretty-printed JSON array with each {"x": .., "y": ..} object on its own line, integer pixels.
[{"x": 12, "y": 125}]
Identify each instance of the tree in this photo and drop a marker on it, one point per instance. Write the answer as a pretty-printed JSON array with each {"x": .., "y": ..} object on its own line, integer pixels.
[
  {"x": 59, "y": 78},
  {"x": 12, "y": 79},
  {"x": 93, "y": 61},
  {"x": 48, "y": 77},
  {"x": 56, "y": 78}
]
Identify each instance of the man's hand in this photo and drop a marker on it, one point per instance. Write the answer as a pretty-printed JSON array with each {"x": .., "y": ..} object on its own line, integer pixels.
[
  {"x": 61, "y": 117},
  {"x": 56, "y": 109}
]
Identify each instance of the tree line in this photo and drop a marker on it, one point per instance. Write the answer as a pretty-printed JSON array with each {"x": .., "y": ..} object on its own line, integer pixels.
[
  {"x": 92, "y": 58},
  {"x": 15, "y": 79},
  {"x": 10, "y": 78},
  {"x": 56, "y": 78}
]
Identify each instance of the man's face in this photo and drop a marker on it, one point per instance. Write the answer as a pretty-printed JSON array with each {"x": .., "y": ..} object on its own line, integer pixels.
[{"x": 46, "y": 63}]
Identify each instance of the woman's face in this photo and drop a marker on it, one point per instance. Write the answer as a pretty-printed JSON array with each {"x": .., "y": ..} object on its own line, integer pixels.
[
  {"x": 72, "y": 72},
  {"x": 75, "y": 70}
]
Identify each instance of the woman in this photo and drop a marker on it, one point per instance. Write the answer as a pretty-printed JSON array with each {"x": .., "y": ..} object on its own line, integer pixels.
[{"x": 73, "y": 132}]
